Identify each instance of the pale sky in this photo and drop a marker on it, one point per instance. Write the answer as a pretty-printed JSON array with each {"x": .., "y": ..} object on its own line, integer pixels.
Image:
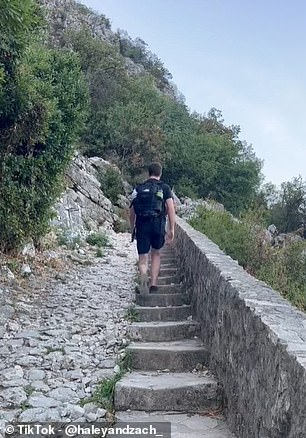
[{"x": 244, "y": 57}]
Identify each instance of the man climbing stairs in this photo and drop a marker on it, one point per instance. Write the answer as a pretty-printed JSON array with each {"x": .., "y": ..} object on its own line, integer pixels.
[{"x": 170, "y": 381}]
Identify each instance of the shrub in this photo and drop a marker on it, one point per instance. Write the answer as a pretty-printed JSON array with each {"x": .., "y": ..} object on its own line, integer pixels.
[
  {"x": 122, "y": 224},
  {"x": 231, "y": 236},
  {"x": 66, "y": 237},
  {"x": 43, "y": 102},
  {"x": 186, "y": 188},
  {"x": 98, "y": 239},
  {"x": 111, "y": 184},
  {"x": 284, "y": 269}
]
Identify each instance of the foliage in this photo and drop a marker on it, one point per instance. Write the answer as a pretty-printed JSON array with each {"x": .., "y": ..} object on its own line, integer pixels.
[
  {"x": 214, "y": 161},
  {"x": 285, "y": 207},
  {"x": 17, "y": 21},
  {"x": 107, "y": 80},
  {"x": 111, "y": 184},
  {"x": 99, "y": 253},
  {"x": 84, "y": 10},
  {"x": 290, "y": 210},
  {"x": 133, "y": 123},
  {"x": 43, "y": 105},
  {"x": 65, "y": 237},
  {"x": 122, "y": 224},
  {"x": 284, "y": 269},
  {"x": 232, "y": 236},
  {"x": 98, "y": 239},
  {"x": 103, "y": 67},
  {"x": 104, "y": 393},
  {"x": 132, "y": 314},
  {"x": 28, "y": 389},
  {"x": 137, "y": 50}
]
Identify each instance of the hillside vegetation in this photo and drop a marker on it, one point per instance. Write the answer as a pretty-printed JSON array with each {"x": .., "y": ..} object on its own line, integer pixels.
[
  {"x": 132, "y": 121},
  {"x": 67, "y": 82},
  {"x": 43, "y": 103},
  {"x": 283, "y": 266},
  {"x": 107, "y": 97}
]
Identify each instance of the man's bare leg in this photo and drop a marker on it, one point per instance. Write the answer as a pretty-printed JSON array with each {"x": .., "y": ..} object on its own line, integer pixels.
[
  {"x": 143, "y": 271},
  {"x": 155, "y": 266}
]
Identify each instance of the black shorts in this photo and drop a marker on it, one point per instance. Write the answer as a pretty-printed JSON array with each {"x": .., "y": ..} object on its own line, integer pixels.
[{"x": 150, "y": 233}]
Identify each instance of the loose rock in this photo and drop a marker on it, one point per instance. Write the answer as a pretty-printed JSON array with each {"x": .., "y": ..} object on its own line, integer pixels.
[{"x": 62, "y": 339}]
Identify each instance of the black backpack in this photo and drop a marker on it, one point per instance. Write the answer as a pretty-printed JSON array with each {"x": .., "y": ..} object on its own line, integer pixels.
[{"x": 149, "y": 201}]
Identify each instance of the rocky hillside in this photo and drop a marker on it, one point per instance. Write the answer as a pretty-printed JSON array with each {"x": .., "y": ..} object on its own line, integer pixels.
[
  {"x": 84, "y": 207},
  {"x": 68, "y": 15}
]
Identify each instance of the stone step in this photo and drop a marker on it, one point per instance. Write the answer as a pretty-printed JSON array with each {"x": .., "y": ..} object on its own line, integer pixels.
[
  {"x": 182, "y": 392},
  {"x": 174, "y": 356},
  {"x": 169, "y": 289},
  {"x": 172, "y": 263},
  {"x": 167, "y": 279},
  {"x": 163, "y": 331},
  {"x": 175, "y": 313},
  {"x": 168, "y": 257},
  {"x": 162, "y": 300},
  {"x": 182, "y": 425},
  {"x": 167, "y": 251},
  {"x": 168, "y": 271}
]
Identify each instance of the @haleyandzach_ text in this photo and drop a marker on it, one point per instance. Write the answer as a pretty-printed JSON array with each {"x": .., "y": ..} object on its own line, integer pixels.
[{"x": 162, "y": 429}]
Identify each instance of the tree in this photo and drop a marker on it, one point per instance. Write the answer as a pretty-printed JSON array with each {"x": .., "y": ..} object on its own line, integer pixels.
[
  {"x": 138, "y": 51},
  {"x": 133, "y": 127},
  {"x": 133, "y": 122},
  {"x": 288, "y": 212},
  {"x": 211, "y": 157},
  {"x": 44, "y": 104}
]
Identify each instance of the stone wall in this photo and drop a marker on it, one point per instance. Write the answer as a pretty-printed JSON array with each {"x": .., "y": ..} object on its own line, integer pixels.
[{"x": 257, "y": 340}]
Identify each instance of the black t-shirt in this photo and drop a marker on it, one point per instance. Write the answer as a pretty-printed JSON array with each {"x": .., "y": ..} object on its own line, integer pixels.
[{"x": 167, "y": 193}]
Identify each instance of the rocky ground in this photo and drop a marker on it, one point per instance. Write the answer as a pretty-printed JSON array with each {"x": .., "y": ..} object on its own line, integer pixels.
[{"x": 62, "y": 329}]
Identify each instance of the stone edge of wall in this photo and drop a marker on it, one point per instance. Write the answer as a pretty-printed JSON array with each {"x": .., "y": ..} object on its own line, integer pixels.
[{"x": 256, "y": 339}]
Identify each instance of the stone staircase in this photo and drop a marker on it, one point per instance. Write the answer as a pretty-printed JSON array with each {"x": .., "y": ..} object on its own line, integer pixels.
[{"x": 165, "y": 352}]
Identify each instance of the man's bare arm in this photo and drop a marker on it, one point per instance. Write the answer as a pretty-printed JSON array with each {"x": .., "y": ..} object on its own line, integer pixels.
[
  {"x": 132, "y": 218},
  {"x": 171, "y": 219}
]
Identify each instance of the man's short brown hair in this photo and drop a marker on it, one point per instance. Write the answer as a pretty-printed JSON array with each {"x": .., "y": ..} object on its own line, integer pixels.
[{"x": 155, "y": 169}]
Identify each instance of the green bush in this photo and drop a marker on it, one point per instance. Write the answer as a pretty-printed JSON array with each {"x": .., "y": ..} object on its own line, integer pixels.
[
  {"x": 186, "y": 188},
  {"x": 231, "y": 236},
  {"x": 98, "y": 239},
  {"x": 42, "y": 108},
  {"x": 69, "y": 239},
  {"x": 111, "y": 184},
  {"x": 284, "y": 269}
]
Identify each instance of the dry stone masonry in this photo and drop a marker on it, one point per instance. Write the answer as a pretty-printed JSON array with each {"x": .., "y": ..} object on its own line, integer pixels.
[{"x": 256, "y": 340}]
